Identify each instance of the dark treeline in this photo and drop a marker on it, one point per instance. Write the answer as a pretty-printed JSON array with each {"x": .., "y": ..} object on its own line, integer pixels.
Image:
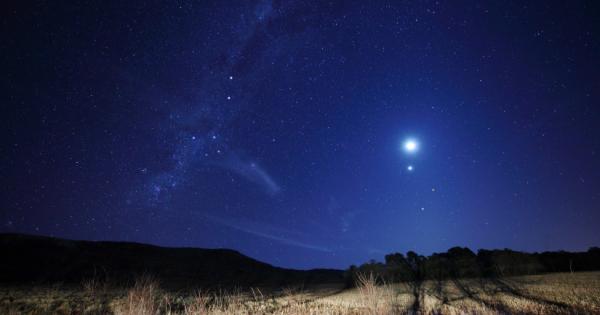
[{"x": 459, "y": 262}]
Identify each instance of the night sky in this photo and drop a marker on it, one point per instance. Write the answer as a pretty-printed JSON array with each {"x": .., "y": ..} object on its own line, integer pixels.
[{"x": 303, "y": 134}]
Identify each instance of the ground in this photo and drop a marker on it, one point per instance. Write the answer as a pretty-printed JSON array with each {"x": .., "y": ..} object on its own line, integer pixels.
[{"x": 560, "y": 293}]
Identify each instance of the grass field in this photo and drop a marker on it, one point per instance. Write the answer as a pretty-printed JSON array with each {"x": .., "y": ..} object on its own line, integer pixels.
[{"x": 563, "y": 293}]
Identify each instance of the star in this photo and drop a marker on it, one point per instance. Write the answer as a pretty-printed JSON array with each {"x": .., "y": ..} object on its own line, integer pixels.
[
  {"x": 411, "y": 145},
  {"x": 409, "y": 168}
]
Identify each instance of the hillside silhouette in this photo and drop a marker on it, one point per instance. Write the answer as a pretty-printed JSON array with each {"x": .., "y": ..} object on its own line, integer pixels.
[{"x": 37, "y": 259}]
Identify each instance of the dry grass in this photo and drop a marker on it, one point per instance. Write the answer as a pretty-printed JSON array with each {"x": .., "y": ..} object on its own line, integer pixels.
[
  {"x": 577, "y": 293},
  {"x": 142, "y": 299}
]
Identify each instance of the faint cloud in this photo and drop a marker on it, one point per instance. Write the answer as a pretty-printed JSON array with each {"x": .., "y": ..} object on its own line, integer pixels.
[
  {"x": 264, "y": 231},
  {"x": 252, "y": 172},
  {"x": 347, "y": 219}
]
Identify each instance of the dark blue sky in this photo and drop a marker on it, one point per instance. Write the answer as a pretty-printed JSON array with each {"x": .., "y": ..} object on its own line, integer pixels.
[{"x": 276, "y": 128}]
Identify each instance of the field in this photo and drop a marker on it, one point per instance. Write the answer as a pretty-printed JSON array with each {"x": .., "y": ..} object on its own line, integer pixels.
[{"x": 560, "y": 293}]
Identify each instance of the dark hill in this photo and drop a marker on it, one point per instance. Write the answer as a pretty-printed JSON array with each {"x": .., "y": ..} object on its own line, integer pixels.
[{"x": 27, "y": 259}]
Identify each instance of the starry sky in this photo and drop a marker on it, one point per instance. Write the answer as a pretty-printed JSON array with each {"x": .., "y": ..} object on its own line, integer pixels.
[{"x": 304, "y": 134}]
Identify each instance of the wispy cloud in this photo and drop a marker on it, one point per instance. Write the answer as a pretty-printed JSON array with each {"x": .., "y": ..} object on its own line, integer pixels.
[
  {"x": 252, "y": 172},
  {"x": 264, "y": 231}
]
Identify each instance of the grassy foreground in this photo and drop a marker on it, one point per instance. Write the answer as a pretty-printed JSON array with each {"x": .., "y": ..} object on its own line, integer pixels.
[{"x": 561, "y": 293}]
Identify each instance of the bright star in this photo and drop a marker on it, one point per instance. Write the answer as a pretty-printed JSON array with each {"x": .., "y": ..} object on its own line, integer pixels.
[
  {"x": 411, "y": 145},
  {"x": 410, "y": 168}
]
